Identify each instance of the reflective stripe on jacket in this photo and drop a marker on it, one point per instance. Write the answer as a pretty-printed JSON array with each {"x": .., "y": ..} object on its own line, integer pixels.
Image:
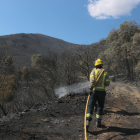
[{"x": 103, "y": 81}]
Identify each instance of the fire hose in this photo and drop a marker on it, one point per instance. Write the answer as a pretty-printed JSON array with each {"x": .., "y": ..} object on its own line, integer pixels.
[{"x": 87, "y": 105}]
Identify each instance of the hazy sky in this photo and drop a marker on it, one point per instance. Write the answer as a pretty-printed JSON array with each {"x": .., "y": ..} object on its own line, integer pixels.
[{"x": 75, "y": 21}]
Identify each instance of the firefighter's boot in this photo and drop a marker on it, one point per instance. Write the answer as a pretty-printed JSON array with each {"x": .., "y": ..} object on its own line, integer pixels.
[
  {"x": 87, "y": 124},
  {"x": 98, "y": 124}
]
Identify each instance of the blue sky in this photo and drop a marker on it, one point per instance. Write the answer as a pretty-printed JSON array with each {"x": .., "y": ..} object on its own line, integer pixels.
[{"x": 75, "y": 21}]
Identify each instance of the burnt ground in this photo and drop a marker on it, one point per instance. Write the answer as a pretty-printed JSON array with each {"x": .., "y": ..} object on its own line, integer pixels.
[{"x": 64, "y": 119}]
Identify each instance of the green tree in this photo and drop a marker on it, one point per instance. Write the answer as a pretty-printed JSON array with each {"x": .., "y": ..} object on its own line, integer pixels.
[
  {"x": 36, "y": 60},
  {"x": 120, "y": 55}
]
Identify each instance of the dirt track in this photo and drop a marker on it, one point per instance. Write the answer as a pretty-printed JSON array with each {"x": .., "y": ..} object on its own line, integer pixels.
[{"x": 64, "y": 119}]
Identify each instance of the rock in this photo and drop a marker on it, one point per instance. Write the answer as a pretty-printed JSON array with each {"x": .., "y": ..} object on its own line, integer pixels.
[
  {"x": 112, "y": 78},
  {"x": 33, "y": 110},
  {"x": 12, "y": 115},
  {"x": 26, "y": 110},
  {"x": 43, "y": 108},
  {"x": 2, "y": 123},
  {"x": 56, "y": 121},
  {"x": 23, "y": 113},
  {"x": 5, "y": 119},
  {"x": 45, "y": 120}
]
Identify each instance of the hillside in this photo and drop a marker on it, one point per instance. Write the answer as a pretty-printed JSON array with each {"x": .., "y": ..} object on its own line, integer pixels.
[
  {"x": 23, "y": 46},
  {"x": 64, "y": 118}
]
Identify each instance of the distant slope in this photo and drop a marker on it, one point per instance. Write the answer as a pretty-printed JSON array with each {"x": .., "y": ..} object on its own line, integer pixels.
[{"x": 23, "y": 46}]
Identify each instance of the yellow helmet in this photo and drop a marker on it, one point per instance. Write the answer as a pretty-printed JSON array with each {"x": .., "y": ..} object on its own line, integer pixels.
[{"x": 98, "y": 62}]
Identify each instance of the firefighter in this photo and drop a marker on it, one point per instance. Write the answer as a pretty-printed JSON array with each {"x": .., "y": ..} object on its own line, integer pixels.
[{"x": 98, "y": 93}]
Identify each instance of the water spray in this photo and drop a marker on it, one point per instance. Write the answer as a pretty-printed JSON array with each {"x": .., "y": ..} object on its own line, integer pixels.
[{"x": 75, "y": 88}]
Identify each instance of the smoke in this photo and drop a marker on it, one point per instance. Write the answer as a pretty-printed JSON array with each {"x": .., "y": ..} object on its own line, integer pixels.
[{"x": 76, "y": 88}]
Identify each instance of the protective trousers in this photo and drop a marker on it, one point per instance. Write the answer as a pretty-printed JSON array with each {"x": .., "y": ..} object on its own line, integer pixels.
[{"x": 96, "y": 96}]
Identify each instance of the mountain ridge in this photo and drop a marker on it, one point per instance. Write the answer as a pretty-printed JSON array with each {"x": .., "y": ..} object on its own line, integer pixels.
[{"x": 22, "y": 46}]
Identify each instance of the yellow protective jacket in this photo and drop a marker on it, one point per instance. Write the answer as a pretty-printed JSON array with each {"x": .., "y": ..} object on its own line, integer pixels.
[{"x": 103, "y": 81}]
